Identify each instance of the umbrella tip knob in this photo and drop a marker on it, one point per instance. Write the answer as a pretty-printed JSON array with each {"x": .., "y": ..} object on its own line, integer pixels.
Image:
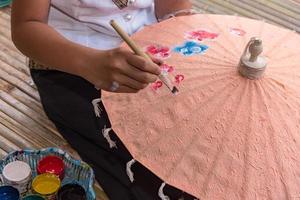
[
  {"x": 255, "y": 49},
  {"x": 252, "y": 65}
]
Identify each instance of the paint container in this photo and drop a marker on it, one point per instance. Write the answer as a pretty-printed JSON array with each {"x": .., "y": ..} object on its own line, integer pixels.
[
  {"x": 17, "y": 174},
  {"x": 9, "y": 193},
  {"x": 71, "y": 192},
  {"x": 33, "y": 197},
  {"x": 5, "y": 3},
  {"x": 46, "y": 185},
  {"x": 53, "y": 165}
]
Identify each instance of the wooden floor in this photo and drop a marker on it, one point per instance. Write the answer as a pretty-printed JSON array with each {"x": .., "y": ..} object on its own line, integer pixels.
[{"x": 23, "y": 123}]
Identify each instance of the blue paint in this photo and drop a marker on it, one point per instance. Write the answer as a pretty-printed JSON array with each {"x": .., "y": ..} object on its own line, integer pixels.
[
  {"x": 9, "y": 193},
  {"x": 190, "y": 48}
]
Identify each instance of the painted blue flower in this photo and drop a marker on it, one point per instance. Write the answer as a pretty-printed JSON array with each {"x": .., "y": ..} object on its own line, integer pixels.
[{"x": 190, "y": 48}]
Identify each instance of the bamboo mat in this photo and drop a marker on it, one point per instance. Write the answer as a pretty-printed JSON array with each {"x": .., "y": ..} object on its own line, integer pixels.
[
  {"x": 23, "y": 123},
  {"x": 284, "y": 13}
]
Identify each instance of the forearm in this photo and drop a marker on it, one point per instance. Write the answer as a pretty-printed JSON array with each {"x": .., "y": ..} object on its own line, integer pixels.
[
  {"x": 42, "y": 43},
  {"x": 164, "y": 7}
]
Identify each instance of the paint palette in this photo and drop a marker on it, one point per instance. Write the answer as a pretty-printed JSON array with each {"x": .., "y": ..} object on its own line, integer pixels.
[
  {"x": 4, "y": 3},
  {"x": 76, "y": 171}
]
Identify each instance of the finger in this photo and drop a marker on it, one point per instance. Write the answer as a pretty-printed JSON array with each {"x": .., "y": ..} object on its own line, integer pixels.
[
  {"x": 129, "y": 82},
  {"x": 125, "y": 89},
  {"x": 138, "y": 75},
  {"x": 143, "y": 64},
  {"x": 156, "y": 60},
  {"x": 120, "y": 89}
]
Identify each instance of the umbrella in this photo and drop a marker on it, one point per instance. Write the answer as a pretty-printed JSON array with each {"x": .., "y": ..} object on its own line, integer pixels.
[{"x": 233, "y": 130}]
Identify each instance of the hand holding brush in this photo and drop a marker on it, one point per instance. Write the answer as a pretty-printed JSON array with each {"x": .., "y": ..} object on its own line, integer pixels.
[{"x": 163, "y": 77}]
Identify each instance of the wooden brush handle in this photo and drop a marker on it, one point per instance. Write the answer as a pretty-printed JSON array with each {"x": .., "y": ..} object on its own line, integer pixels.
[
  {"x": 129, "y": 41},
  {"x": 139, "y": 51}
]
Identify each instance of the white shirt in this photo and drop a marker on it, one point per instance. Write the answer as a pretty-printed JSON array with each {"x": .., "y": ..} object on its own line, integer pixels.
[{"x": 87, "y": 21}]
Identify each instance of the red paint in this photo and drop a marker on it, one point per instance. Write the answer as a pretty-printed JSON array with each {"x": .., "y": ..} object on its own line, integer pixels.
[
  {"x": 179, "y": 78},
  {"x": 201, "y": 35},
  {"x": 167, "y": 68},
  {"x": 156, "y": 85},
  {"x": 53, "y": 165},
  {"x": 159, "y": 51}
]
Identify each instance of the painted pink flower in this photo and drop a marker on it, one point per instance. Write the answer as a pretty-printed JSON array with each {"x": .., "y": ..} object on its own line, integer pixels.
[
  {"x": 237, "y": 31},
  {"x": 167, "y": 68},
  {"x": 158, "y": 51},
  {"x": 155, "y": 86},
  {"x": 179, "y": 78},
  {"x": 201, "y": 35}
]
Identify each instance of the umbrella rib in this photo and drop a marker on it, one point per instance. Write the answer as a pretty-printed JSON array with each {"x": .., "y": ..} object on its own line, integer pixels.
[
  {"x": 195, "y": 136},
  {"x": 220, "y": 147},
  {"x": 245, "y": 182},
  {"x": 238, "y": 52},
  {"x": 228, "y": 63},
  {"x": 285, "y": 66},
  {"x": 234, "y": 55},
  {"x": 232, "y": 58},
  {"x": 272, "y": 140},
  {"x": 292, "y": 55},
  {"x": 286, "y": 77},
  {"x": 275, "y": 83},
  {"x": 277, "y": 44},
  {"x": 267, "y": 165},
  {"x": 193, "y": 140},
  {"x": 261, "y": 106},
  {"x": 187, "y": 71},
  {"x": 192, "y": 80},
  {"x": 283, "y": 86},
  {"x": 223, "y": 77},
  {"x": 216, "y": 94},
  {"x": 292, "y": 74},
  {"x": 166, "y": 96},
  {"x": 220, "y": 30},
  {"x": 184, "y": 92},
  {"x": 222, "y": 67},
  {"x": 276, "y": 93}
]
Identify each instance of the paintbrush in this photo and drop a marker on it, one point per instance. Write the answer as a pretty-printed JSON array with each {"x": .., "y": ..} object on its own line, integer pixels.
[{"x": 163, "y": 77}]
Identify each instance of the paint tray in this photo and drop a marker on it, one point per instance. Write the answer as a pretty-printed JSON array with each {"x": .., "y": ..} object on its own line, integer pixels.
[{"x": 76, "y": 171}]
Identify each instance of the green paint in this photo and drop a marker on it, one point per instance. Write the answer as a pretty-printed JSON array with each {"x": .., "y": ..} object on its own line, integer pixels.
[{"x": 33, "y": 197}]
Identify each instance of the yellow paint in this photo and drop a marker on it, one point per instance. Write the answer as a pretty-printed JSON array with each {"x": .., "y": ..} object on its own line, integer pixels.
[{"x": 46, "y": 184}]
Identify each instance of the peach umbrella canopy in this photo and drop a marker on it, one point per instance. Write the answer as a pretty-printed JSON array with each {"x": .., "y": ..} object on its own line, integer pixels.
[{"x": 223, "y": 136}]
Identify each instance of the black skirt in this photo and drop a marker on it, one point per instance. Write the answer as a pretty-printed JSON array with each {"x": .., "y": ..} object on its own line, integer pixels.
[{"x": 67, "y": 101}]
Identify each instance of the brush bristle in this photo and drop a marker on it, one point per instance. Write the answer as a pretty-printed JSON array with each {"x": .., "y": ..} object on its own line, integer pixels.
[{"x": 175, "y": 90}]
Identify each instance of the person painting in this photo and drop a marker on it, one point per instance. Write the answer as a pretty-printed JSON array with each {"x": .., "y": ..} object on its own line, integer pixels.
[{"x": 74, "y": 54}]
